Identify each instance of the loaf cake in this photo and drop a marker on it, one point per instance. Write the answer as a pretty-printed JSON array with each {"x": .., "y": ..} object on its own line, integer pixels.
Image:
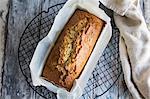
[{"x": 72, "y": 49}]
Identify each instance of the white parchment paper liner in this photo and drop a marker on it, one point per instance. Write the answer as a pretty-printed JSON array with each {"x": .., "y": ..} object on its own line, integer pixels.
[{"x": 45, "y": 45}]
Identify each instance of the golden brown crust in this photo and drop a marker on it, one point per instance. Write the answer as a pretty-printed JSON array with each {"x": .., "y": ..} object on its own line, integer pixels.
[{"x": 72, "y": 49}]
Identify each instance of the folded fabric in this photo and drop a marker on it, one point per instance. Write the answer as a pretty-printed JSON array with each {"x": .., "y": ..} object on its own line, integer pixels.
[{"x": 134, "y": 45}]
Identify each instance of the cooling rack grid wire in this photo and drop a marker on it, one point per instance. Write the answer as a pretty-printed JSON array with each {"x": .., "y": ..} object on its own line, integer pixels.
[{"x": 105, "y": 74}]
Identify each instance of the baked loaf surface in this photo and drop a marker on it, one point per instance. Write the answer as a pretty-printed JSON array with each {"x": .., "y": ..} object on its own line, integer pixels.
[{"x": 72, "y": 49}]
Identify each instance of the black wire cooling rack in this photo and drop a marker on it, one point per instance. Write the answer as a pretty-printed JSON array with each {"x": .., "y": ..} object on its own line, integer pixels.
[{"x": 105, "y": 74}]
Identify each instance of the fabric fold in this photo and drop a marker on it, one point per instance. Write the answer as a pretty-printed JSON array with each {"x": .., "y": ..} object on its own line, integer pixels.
[
  {"x": 118, "y": 6},
  {"x": 134, "y": 45}
]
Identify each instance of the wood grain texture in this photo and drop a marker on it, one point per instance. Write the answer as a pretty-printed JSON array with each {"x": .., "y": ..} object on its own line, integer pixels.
[
  {"x": 3, "y": 23},
  {"x": 146, "y": 11},
  {"x": 20, "y": 14}
]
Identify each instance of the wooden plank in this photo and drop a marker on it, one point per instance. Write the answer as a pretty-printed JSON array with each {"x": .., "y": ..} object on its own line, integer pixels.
[
  {"x": 20, "y": 14},
  {"x": 3, "y": 22},
  {"x": 146, "y": 11}
]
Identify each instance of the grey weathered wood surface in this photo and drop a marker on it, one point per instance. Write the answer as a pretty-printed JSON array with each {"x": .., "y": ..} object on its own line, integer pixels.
[
  {"x": 20, "y": 13},
  {"x": 3, "y": 13}
]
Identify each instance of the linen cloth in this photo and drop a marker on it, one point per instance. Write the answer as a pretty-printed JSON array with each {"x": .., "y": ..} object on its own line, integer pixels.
[{"x": 134, "y": 45}]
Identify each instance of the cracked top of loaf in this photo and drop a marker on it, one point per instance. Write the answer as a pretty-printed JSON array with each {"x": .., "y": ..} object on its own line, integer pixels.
[{"x": 72, "y": 49}]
